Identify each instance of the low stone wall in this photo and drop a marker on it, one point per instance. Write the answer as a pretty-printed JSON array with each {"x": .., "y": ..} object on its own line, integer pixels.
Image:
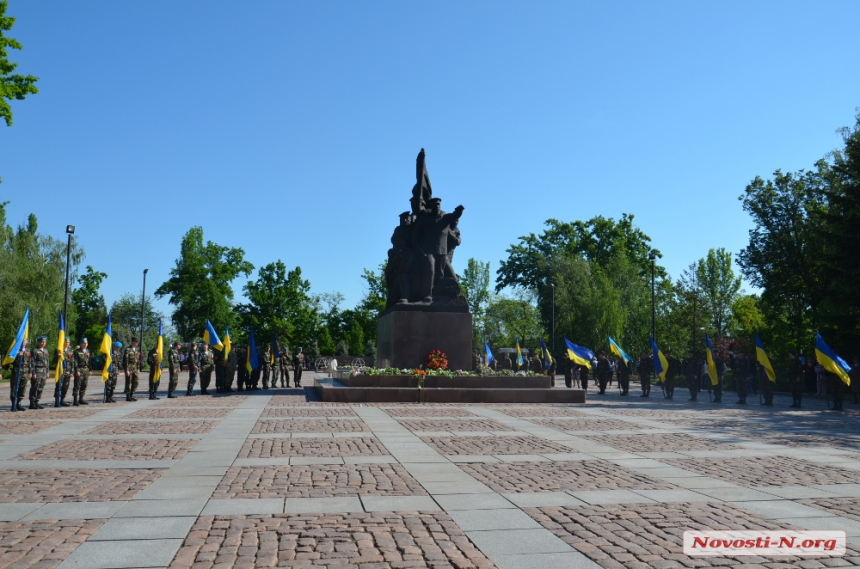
[{"x": 443, "y": 382}]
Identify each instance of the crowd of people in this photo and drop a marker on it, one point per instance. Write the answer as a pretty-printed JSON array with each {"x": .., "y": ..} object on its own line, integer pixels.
[
  {"x": 32, "y": 366},
  {"x": 805, "y": 375}
]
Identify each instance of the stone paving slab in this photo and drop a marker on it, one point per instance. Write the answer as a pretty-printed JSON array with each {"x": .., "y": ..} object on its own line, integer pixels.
[
  {"x": 25, "y": 427},
  {"x": 180, "y": 413},
  {"x": 309, "y": 426},
  {"x": 334, "y": 447},
  {"x": 127, "y": 449},
  {"x": 428, "y": 412},
  {"x": 328, "y": 412},
  {"x": 761, "y": 472},
  {"x": 169, "y": 427},
  {"x": 142, "y": 553},
  {"x": 493, "y": 445}
]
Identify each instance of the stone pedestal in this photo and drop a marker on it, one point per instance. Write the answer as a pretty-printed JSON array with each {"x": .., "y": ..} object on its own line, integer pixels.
[{"x": 405, "y": 337}]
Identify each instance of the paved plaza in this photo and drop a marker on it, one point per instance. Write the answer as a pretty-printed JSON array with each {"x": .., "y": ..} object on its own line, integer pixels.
[{"x": 277, "y": 479}]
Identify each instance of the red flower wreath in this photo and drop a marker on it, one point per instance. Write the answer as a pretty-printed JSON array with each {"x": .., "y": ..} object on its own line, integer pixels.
[{"x": 436, "y": 360}]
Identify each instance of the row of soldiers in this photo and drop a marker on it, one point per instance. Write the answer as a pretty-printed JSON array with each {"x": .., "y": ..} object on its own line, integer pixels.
[{"x": 32, "y": 366}]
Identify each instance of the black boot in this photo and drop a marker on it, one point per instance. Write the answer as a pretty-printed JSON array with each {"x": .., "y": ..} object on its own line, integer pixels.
[
  {"x": 74, "y": 400},
  {"x": 170, "y": 395},
  {"x": 81, "y": 401}
]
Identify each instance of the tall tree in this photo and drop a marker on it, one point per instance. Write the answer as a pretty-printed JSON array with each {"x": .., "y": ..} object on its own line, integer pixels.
[
  {"x": 32, "y": 274},
  {"x": 720, "y": 287},
  {"x": 126, "y": 321},
  {"x": 475, "y": 283},
  {"x": 12, "y": 85},
  {"x": 89, "y": 303},
  {"x": 199, "y": 285},
  {"x": 279, "y": 301}
]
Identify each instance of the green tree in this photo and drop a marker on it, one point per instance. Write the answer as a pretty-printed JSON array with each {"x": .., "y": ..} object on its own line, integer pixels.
[
  {"x": 199, "y": 285},
  {"x": 509, "y": 318},
  {"x": 32, "y": 274},
  {"x": 280, "y": 303},
  {"x": 720, "y": 288},
  {"x": 475, "y": 284},
  {"x": 126, "y": 321},
  {"x": 747, "y": 316},
  {"x": 356, "y": 339},
  {"x": 89, "y": 303},
  {"x": 12, "y": 85}
]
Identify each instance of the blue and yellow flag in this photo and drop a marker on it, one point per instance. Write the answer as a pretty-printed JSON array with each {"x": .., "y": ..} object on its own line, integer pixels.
[
  {"x": 276, "y": 353},
  {"x": 762, "y": 358},
  {"x": 252, "y": 362},
  {"x": 159, "y": 348},
  {"x": 61, "y": 343},
  {"x": 519, "y": 355},
  {"x": 488, "y": 353},
  {"x": 831, "y": 361},
  {"x": 105, "y": 349},
  {"x": 578, "y": 354},
  {"x": 547, "y": 357},
  {"x": 661, "y": 364},
  {"x": 616, "y": 349},
  {"x": 712, "y": 365},
  {"x": 18, "y": 342},
  {"x": 228, "y": 346},
  {"x": 211, "y": 337}
]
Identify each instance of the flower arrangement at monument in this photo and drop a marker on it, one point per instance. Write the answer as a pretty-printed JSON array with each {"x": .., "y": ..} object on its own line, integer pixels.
[
  {"x": 436, "y": 360},
  {"x": 417, "y": 371}
]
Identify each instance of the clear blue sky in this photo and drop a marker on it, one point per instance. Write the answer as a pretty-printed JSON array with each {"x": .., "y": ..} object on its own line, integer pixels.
[{"x": 290, "y": 129}]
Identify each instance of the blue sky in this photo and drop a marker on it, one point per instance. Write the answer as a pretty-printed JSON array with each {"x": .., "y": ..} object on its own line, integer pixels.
[{"x": 290, "y": 129}]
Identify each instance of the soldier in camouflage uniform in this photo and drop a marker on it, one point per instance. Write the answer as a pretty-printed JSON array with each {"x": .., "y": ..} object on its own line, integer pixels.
[
  {"x": 232, "y": 363},
  {"x": 266, "y": 366},
  {"x": 173, "y": 367},
  {"x": 207, "y": 365},
  {"x": 131, "y": 367},
  {"x": 285, "y": 369},
  {"x": 113, "y": 372},
  {"x": 276, "y": 368},
  {"x": 63, "y": 357},
  {"x": 220, "y": 370},
  {"x": 81, "y": 372},
  {"x": 23, "y": 371},
  {"x": 193, "y": 369},
  {"x": 242, "y": 379},
  {"x": 298, "y": 364},
  {"x": 40, "y": 361},
  {"x": 154, "y": 380}
]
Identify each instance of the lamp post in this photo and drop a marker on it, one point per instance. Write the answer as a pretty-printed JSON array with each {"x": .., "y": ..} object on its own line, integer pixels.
[
  {"x": 653, "y": 255},
  {"x": 70, "y": 230},
  {"x": 553, "y": 315},
  {"x": 143, "y": 308}
]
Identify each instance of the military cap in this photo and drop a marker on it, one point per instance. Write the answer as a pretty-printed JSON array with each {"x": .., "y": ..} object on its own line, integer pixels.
[
  {"x": 437, "y": 200},
  {"x": 82, "y": 340},
  {"x": 117, "y": 344},
  {"x": 40, "y": 338}
]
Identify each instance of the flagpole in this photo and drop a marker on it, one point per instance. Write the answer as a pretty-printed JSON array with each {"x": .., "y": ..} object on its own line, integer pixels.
[
  {"x": 17, "y": 382},
  {"x": 59, "y": 380}
]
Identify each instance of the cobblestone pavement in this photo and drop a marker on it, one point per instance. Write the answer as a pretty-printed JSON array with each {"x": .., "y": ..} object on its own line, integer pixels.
[
  {"x": 755, "y": 472},
  {"x": 277, "y": 478},
  {"x": 639, "y": 536},
  {"x": 493, "y": 445},
  {"x": 25, "y": 427},
  {"x": 367, "y": 540},
  {"x": 78, "y": 485},
  {"x": 310, "y": 426},
  {"x": 584, "y": 424},
  {"x": 318, "y": 481},
  {"x": 845, "y": 507},
  {"x": 42, "y": 544},
  {"x": 276, "y": 412},
  {"x": 188, "y": 413},
  {"x": 125, "y": 449},
  {"x": 453, "y": 425},
  {"x": 560, "y": 476},
  {"x": 153, "y": 428},
  {"x": 661, "y": 442},
  {"x": 427, "y": 412},
  {"x": 273, "y": 448}
]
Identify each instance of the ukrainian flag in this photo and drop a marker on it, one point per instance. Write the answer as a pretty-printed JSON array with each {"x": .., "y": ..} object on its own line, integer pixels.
[
  {"x": 831, "y": 361},
  {"x": 105, "y": 349},
  {"x": 712, "y": 365},
  {"x": 578, "y": 354},
  {"x": 616, "y": 349},
  {"x": 211, "y": 337},
  {"x": 661, "y": 364},
  {"x": 228, "y": 346},
  {"x": 159, "y": 348},
  {"x": 488, "y": 352},
  {"x": 18, "y": 342},
  {"x": 276, "y": 353},
  {"x": 252, "y": 362},
  {"x": 519, "y": 355},
  {"x": 61, "y": 341},
  {"x": 547, "y": 357},
  {"x": 762, "y": 358}
]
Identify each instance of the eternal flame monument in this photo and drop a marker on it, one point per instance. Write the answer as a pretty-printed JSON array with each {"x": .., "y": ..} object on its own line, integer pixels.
[{"x": 425, "y": 310}]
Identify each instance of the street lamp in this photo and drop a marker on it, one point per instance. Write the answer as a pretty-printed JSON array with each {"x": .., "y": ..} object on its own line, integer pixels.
[
  {"x": 653, "y": 255},
  {"x": 70, "y": 230},
  {"x": 553, "y": 315},
  {"x": 143, "y": 308}
]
